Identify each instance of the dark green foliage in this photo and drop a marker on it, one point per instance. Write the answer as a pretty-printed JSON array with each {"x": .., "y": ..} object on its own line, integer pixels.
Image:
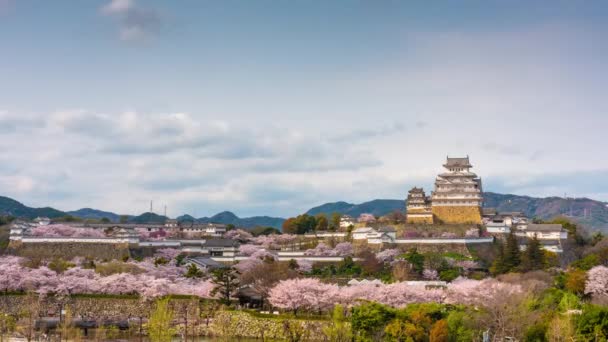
[
  {"x": 369, "y": 319},
  {"x": 536, "y": 333},
  {"x": 592, "y": 325},
  {"x": 179, "y": 259},
  {"x": 415, "y": 259},
  {"x": 534, "y": 256},
  {"x": 512, "y": 254},
  {"x": 300, "y": 224},
  {"x": 257, "y": 231},
  {"x": 160, "y": 261},
  {"x": 587, "y": 262},
  {"x": 226, "y": 281},
  {"x": 449, "y": 274},
  {"x": 193, "y": 272}
]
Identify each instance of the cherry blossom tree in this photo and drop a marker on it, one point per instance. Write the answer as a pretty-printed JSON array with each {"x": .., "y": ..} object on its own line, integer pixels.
[
  {"x": 308, "y": 294},
  {"x": 238, "y": 234},
  {"x": 597, "y": 282},
  {"x": 366, "y": 218},
  {"x": 341, "y": 249},
  {"x": 62, "y": 230},
  {"x": 248, "y": 249},
  {"x": 388, "y": 255}
]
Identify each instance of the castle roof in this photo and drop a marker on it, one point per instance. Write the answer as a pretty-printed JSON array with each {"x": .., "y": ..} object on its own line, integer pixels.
[
  {"x": 458, "y": 162},
  {"x": 416, "y": 190}
]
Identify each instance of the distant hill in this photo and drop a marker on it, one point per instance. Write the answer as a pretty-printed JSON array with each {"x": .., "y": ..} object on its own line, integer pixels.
[
  {"x": 378, "y": 207},
  {"x": 9, "y": 206},
  {"x": 88, "y": 213},
  {"x": 148, "y": 218},
  {"x": 227, "y": 217},
  {"x": 589, "y": 213}
]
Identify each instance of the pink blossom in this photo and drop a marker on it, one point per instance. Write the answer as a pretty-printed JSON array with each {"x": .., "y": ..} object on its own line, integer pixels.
[
  {"x": 366, "y": 218},
  {"x": 430, "y": 274},
  {"x": 238, "y": 234},
  {"x": 304, "y": 265},
  {"x": 62, "y": 230},
  {"x": 341, "y": 249},
  {"x": 597, "y": 281},
  {"x": 388, "y": 255},
  {"x": 473, "y": 233},
  {"x": 248, "y": 250},
  {"x": 168, "y": 253}
]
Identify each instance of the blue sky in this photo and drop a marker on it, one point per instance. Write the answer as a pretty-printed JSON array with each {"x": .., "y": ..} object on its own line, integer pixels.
[{"x": 269, "y": 107}]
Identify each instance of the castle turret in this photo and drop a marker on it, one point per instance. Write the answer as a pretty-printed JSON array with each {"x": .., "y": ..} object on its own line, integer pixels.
[{"x": 418, "y": 207}]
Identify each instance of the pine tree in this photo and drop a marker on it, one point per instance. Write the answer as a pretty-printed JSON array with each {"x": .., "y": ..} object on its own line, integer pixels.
[
  {"x": 498, "y": 266},
  {"x": 226, "y": 281},
  {"x": 534, "y": 256},
  {"x": 512, "y": 254}
]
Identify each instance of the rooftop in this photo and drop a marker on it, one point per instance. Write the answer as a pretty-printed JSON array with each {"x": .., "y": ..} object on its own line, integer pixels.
[
  {"x": 458, "y": 162},
  {"x": 544, "y": 227}
]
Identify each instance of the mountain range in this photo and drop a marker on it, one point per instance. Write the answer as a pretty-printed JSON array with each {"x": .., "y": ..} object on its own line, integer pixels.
[{"x": 592, "y": 214}]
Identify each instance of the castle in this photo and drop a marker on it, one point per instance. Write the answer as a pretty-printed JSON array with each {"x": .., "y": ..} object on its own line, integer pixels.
[{"x": 457, "y": 198}]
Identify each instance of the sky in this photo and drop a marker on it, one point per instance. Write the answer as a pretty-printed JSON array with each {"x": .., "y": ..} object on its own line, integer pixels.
[{"x": 273, "y": 107}]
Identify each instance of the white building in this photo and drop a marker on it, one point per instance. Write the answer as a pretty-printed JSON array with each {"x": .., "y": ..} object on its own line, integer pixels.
[{"x": 347, "y": 221}]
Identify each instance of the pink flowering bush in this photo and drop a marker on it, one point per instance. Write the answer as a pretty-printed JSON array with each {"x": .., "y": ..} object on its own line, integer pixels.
[
  {"x": 61, "y": 230},
  {"x": 429, "y": 274}
]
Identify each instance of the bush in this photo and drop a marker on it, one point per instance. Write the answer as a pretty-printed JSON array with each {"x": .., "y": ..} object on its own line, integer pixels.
[
  {"x": 114, "y": 267},
  {"x": 449, "y": 274}
]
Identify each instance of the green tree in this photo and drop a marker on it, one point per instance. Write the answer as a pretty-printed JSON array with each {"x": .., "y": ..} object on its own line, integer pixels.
[
  {"x": 368, "y": 320},
  {"x": 498, "y": 265},
  {"x": 193, "y": 272},
  {"x": 334, "y": 222},
  {"x": 592, "y": 325},
  {"x": 123, "y": 219},
  {"x": 512, "y": 254},
  {"x": 338, "y": 330},
  {"x": 416, "y": 260},
  {"x": 322, "y": 223},
  {"x": 575, "y": 281},
  {"x": 226, "y": 281},
  {"x": 159, "y": 324},
  {"x": 534, "y": 256}
]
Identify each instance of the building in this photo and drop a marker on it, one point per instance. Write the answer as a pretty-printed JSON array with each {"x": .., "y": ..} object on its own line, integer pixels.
[
  {"x": 363, "y": 233},
  {"x": 171, "y": 223},
  {"x": 418, "y": 207},
  {"x": 205, "y": 263},
  {"x": 347, "y": 221},
  {"x": 457, "y": 198},
  {"x": 42, "y": 221},
  {"x": 543, "y": 232}
]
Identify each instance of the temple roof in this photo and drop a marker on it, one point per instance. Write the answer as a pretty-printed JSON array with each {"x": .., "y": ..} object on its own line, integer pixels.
[{"x": 457, "y": 162}]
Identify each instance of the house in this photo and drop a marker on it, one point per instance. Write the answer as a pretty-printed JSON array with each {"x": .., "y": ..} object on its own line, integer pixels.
[
  {"x": 171, "y": 223},
  {"x": 389, "y": 232},
  {"x": 498, "y": 224},
  {"x": 221, "y": 247},
  {"x": 42, "y": 221},
  {"x": 205, "y": 263},
  {"x": 346, "y": 221},
  {"x": 363, "y": 233},
  {"x": 544, "y": 231},
  {"x": 215, "y": 229}
]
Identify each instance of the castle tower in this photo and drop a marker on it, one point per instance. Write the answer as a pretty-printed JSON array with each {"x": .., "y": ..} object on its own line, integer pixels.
[
  {"x": 418, "y": 207},
  {"x": 458, "y": 194}
]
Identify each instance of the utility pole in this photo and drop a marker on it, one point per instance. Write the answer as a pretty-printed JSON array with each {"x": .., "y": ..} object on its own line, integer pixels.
[
  {"x": 151, "y": 208},
  {"x": 165, "y": 210}
]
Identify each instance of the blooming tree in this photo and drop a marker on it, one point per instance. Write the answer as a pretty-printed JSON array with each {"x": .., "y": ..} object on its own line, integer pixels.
[
  {"x": 388, "y": 255},
  {"x": 597, "y": 282},
  {"x": 366, "y": 218},
  {"x": 62, "y": 230},
  {"x": 342, "y": 249},
  {"x": 238, "y": 234}
]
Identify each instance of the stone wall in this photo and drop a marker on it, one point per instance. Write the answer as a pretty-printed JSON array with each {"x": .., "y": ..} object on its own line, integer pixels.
[
  {"x": 69, "y": 250},
  {"x": 226, "y": 324},
  {"x": 457, "y": 214}
]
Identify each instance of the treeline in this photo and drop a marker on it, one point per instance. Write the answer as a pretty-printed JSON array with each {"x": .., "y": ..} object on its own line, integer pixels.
[{"x": 305, "y": 223}]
